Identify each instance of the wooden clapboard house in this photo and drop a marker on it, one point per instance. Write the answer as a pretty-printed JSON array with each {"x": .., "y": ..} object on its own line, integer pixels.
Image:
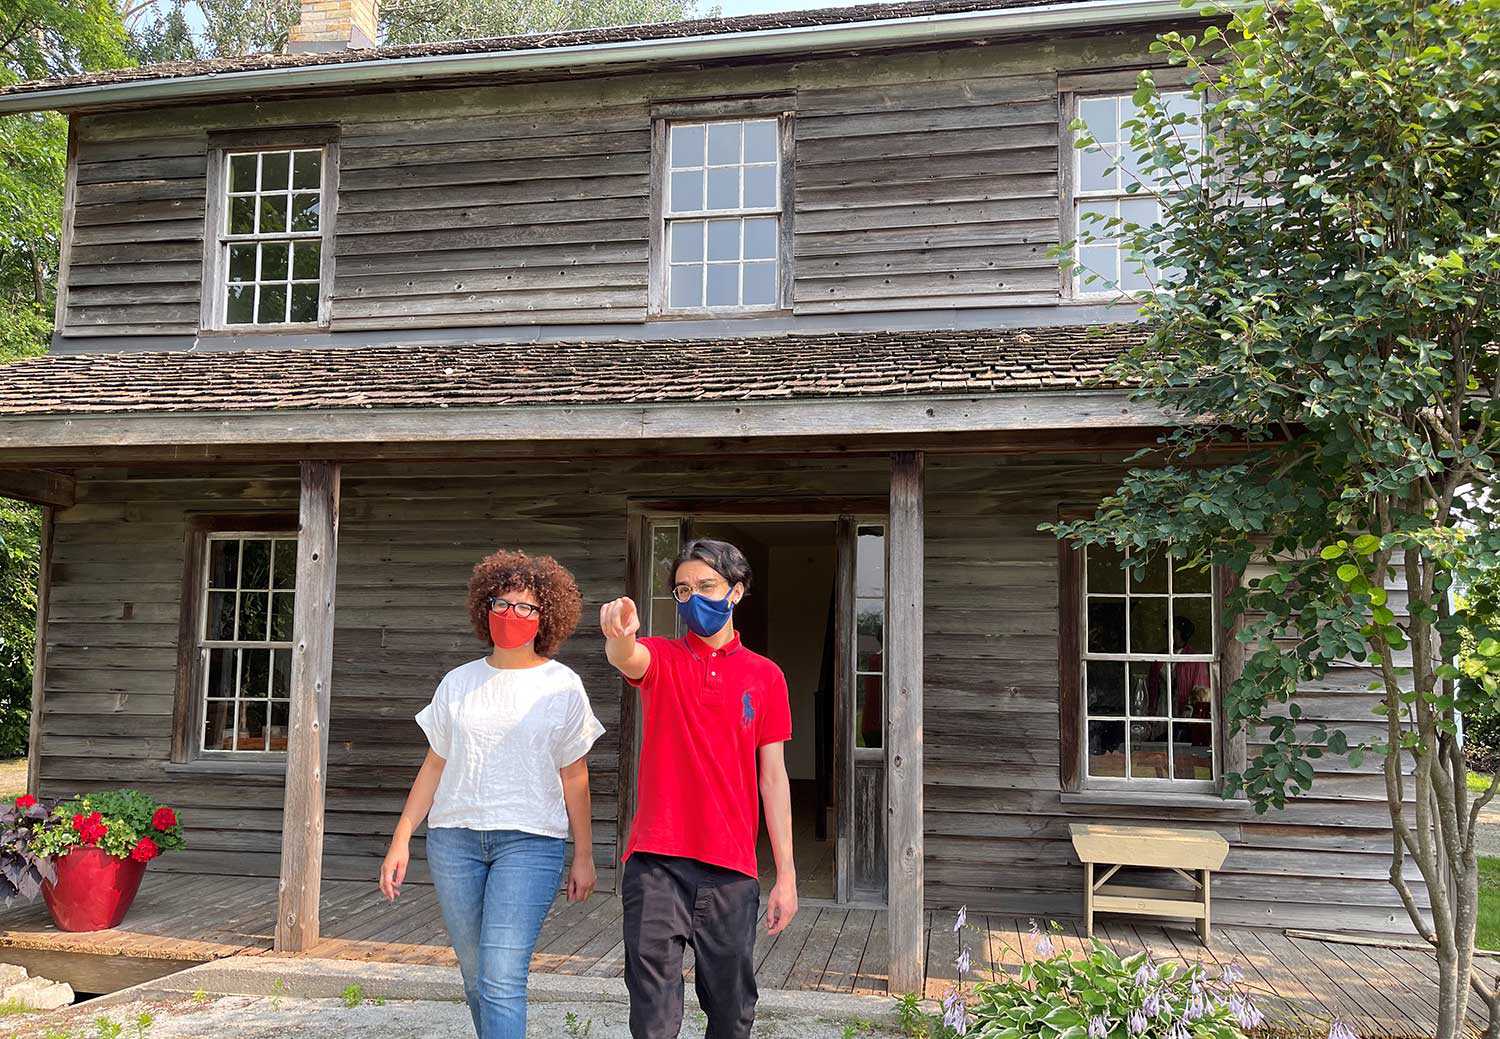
[{"x": 333, "y": 324}]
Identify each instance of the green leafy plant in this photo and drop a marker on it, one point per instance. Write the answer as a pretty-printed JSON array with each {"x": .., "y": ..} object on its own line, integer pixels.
[
  {"x": 104, "y": 1028},
  {"x": 143, "y": 1022},
  {"x": 576, "y": 1027},
  {"x": 125, "y": 824},
  {"x": 354, "y": 995}
]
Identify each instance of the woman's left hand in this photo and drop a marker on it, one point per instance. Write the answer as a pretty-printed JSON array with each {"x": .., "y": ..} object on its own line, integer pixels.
[{"x": 581, "y": 879}]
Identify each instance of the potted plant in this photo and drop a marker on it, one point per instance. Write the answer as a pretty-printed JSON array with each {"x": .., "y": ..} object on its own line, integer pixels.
[
  {"x": 22, "y": 870},
  {"x": 98, "y": 845}
]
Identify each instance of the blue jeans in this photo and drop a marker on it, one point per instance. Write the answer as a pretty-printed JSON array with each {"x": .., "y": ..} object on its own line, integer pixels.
[{"x": 494, "y": 887}]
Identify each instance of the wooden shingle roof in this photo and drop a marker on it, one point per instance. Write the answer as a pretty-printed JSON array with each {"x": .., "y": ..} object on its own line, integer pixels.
[{"x": 788, "y": 367}]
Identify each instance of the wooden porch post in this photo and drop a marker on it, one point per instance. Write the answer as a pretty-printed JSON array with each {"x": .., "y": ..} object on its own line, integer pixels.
[
  {"x": 307, "y": 737},
  {"x": 39, "y": 659},
  {"x": 904, "y": 728}
]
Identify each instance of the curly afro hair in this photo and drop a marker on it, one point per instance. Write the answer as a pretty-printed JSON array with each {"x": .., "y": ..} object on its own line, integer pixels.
[{"x": 544, "y": 577}]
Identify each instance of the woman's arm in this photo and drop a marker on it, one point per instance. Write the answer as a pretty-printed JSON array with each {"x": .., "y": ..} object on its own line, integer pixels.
[
  {"x": 582, "y": 877},
  {"x": 418, "y": 804},
  {"x": 619, "y": 621}
]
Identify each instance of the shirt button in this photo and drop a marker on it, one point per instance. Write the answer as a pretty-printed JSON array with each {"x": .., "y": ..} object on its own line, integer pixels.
[{"x": 713, "y": 674}]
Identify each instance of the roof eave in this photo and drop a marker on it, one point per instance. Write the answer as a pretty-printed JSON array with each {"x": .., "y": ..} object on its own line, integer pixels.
[{"x": 935, "y": 28}]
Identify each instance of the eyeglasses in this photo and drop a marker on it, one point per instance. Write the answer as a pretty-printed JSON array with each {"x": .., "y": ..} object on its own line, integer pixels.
[
  {"x": 523, "y": 609},
  {"x": 709, "y": 588}
]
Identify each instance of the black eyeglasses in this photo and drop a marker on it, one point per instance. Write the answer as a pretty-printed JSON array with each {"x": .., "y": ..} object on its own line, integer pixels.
[{"x": 523, "y": 609}]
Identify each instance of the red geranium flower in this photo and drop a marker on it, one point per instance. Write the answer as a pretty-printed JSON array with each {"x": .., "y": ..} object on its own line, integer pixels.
[
  {"x": 25, "y": 801},
  {"x": 164, "y": 818},
  {"x": 91, "y": 828},
  {"x": 145, "y": 850}
]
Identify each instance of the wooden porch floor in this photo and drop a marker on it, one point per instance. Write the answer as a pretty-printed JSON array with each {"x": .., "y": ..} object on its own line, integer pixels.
[{"x": 1300, "y": 983}]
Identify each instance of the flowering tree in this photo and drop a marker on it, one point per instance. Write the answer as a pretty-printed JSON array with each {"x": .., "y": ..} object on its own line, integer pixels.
[{"x": 1325, "y": 321}]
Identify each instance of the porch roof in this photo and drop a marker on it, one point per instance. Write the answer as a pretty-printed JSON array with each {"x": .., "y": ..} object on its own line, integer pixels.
[{"x": 791, "y": 367}]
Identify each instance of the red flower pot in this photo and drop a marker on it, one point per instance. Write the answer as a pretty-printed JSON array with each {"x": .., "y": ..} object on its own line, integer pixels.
[{"x": 93, "y": 891}]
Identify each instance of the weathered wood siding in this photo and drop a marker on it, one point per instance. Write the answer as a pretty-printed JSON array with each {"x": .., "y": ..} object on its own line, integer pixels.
[
  {"x": 995, "y": 821},
  {"x": 924, "y": 180}
]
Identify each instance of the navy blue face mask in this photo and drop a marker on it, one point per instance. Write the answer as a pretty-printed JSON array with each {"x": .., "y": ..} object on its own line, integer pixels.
[{"x": 704, "y": 616}]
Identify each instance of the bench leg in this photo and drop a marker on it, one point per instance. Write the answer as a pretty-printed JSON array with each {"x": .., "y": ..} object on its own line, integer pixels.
[
  {"x": 1088, "y": 897},
  {"x": 1205, "y": 930}
]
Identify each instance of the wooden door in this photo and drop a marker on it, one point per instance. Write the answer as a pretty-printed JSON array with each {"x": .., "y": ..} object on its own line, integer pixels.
[{"x": 860, "y": 712}]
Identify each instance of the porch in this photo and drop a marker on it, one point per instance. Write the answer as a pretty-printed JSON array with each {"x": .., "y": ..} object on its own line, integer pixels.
[{"x": 1383, "y": 990}]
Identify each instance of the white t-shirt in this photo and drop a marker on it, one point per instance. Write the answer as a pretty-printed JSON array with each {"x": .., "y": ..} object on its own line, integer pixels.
[{"x": 504, "y": 734}]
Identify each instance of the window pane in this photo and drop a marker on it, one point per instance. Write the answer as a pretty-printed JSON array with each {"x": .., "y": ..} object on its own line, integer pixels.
[
  {"x": 223, "y": 563},
  {"x": 1099, "y": 115},
  {"x": 1105, "y": 681},
  {"x": 255, "y": 672},
  {"x": 1096, "y": 267},
  {"x": 1136, "y": 276},
  {"x": 1148, "y": 689},
  {"x": 257, "y": 564},
  {"x": 1104, "y": 566},
  {"x": 220, "y": 627},
  {"x": 1148, "y": 625},
  {"x": 1106, "y": 749},
  {"x": 272, "y": 214},
  {"x": 275, "y": 171},
  {"x": 869, "y": 626},
  {"x": 1192, "y": 624},
  {"x": 218, "y": 725},
  {"x": 724, "y": 188},
  {"x": 281, "y": 672},
  {"x": 687, "y": 241},
  {"x": 286, "y": 564},
  {"x": 760, "y": 284},
  {"x": 1094, "y": 221},
  {"x": 306, "y": 258},
  {"x": 723, "y": 239},
  {"x": 1096, "y": 170},
  {"x": 760, "y": 238},
  {"x": 242, "y": 215},
  {"x": 687, "y": 146},
  {"x": 760, "y": 141},
  {"x": 252, "y": 726},
  {"x": 687, "y": 192},
  {"x": 273, "y": 261},
  {"x": 1192, "y": 751},
  {"x": 221, "y": 663},
  {"x": 1148, "y": 751},
  {"x": 869, "y": 711},
  {"x": 239, "y": 306},
  {"x": 242, "y": 173},
  {"x": 687, "y": 287},
  {"x": 305, "y": 302},
  {"x": 1192, "y": 690},
  {"x": 663, "y": 617},
  {"x": 723, "y": 144},
  {"x": 760, "y": 186},
  {"x": 664, "y": 544},
  {"x": 271, "y": 308},
  {"x": 869, "y": 562},
  {"x": 1150, "y": 575},
  {"x": 1106, "y": 621},
  {"x": 1142, "y": 212},
  {"x": 307, "y": 170},
  {"x": 280, "y": 719},
  {"x": 1192, "y": 580},
  {"x": 305, "y": 211},
  {"x": 281, "y": 617},
  {"x": 253, "y": 611},
  {"x": 242, "y": 263},
  {"x": 723, "y": 284}
]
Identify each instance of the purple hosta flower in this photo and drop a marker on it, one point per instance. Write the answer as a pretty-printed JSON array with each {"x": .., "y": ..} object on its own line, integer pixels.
[
  {"x": 1231, "y": 975},
  {"x": 1044, "y": 946},
  {"x": 1152, "y": 1006},
  {"x": 1245, "y": 1013},
  {"x": 955, "y": 1012},
  {"x": 1197, "y": 1006},
  {"x": 963, "y": 918},
  {"x": 1145, "y": 974},
  {"x": 1179, "y": 1030},
  {"x": 1339, "y": 1030},
  {"x": 1137, "y": 1022},
  {"x": 1098, "y": 1027},
  {"x": 964, "y": 962}
]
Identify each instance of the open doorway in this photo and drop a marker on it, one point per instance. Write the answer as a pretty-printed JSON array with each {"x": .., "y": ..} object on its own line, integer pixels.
[{"x": 789, "y": 616}]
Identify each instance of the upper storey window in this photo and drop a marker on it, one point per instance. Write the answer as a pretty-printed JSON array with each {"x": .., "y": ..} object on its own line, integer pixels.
[
  {"x": 722, "y": 215},
  {"x": 1109, "y": 184}
]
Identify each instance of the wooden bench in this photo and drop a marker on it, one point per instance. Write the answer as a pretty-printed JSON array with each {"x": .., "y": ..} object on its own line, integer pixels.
[{"x": 1161, "y": 847}]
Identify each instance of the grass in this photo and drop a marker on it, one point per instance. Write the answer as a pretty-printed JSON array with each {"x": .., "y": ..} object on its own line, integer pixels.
[
  {"x": 1478, "y": 782},
  {"x": 12, "y": 778},
  {"x": 1488, "y": 935}
]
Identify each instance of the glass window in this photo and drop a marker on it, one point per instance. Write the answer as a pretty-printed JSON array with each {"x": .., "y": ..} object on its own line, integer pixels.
[
  {"x": 661, "y": 618},
  {"x": 246, "y": 641},
  {"x": 1148, "y": 687},
  {"x": 272, "y": 238},
  {"x": 1111, "y": 192},
  {"x": 722, "y": 215},
  {"x": 869, "y": 636}
]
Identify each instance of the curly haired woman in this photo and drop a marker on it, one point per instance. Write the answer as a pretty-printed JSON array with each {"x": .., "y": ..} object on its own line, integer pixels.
[{"x": 505, "y": 779}]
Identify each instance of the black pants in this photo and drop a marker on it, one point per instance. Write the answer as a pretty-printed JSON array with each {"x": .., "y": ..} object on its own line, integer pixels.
[{"x": 671, "y": 903}]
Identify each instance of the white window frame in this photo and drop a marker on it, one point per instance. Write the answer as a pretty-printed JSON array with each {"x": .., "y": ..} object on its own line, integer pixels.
[
  {"x": 1074, "y": 285},
  {"x": 663, "y": 218},
  {"x": 1169, "y": 660},
  {"x": 204, "y": 646},
  {"x": 217, "y": 239}
]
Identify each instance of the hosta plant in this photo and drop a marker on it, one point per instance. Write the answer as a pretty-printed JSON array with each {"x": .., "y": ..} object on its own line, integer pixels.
[
  {"x": 125, "y": 824},
  {"x": 22, "y": 870}
]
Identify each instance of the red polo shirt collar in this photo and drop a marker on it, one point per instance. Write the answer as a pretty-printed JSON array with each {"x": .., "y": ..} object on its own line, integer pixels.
[{"x": 702, "y": 650}]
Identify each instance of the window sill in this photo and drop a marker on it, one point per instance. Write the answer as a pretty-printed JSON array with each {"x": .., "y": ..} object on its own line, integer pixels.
[
  {"x": 227, "y": 767},
  {"x": 1150, "y": 799}
]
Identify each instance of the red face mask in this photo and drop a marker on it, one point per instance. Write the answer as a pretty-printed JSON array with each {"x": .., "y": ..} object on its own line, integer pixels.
[{"x": 509, "y": 631}]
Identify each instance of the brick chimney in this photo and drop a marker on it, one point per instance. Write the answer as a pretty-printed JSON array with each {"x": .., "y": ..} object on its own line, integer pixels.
[{"x": 333, "y": 25}]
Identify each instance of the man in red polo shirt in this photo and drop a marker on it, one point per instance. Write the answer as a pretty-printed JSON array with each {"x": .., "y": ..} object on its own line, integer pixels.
[{"x": 714, "y": 718}]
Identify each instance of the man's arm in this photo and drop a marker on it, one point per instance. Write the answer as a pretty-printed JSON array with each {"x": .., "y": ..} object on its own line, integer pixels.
[
  {"x": 776, "y": 797},
  {"x": 619, "y": 621}
]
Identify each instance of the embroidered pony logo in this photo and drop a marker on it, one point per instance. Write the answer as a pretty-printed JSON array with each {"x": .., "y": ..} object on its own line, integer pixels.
[{"x": 747, "y": 710}]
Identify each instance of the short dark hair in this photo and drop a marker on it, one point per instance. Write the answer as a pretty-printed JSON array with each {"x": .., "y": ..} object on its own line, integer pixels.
[
  {"x": 726, "y": 560},
  {"x": 1185, "y": 627}
]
